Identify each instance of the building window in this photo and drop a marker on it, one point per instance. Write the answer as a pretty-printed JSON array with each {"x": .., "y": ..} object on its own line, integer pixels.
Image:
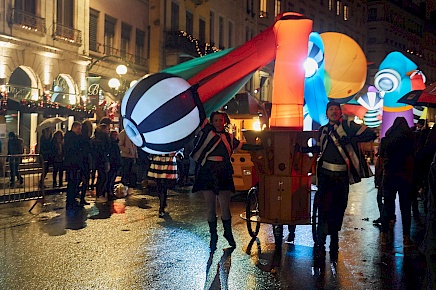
[
  {"x": 202, "y": 30},
  {"x": 372, "y": 14},
  {"x": 212, "y": 27},
  {"x": 64, "y": 13},
  {"x": 126, "y": 30},
  {"x": 93, "y": 24},
  {"x": 338, "y": 7},
  {"x": 139, "y": 47},
  {"x": 346, "y": 11},
  {"x": 109, "y": 34},
  {"x": 278, "y": 7},
  {"x": 250, "y": 7},
  {"x": 247, "y": 34},
  {"x": 189, "y": 23},
  {"x": 330, "y": 5},
  {"x": 263, "y": 12},
  {"x": 230, "y": 34},
  {"x": 28, "y": 6},
  {"x": 174, "y": 16},
  {"x": 221, "y": 32}
]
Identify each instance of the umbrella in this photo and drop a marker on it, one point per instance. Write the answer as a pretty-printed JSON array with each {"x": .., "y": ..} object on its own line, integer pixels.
[
  {"x": 426, "y": 97},
  {"x": 50, "y": 122}
]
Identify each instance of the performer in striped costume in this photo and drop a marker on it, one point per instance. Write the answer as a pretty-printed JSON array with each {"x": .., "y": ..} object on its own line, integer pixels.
[
  {"x": 163, "y": 169},
  {"x": 338, "y": 166}
]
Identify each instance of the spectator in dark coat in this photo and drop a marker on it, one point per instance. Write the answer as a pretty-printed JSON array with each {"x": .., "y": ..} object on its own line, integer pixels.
[
  {"x": 428, "y": 152},
  {"x": 419, "y": 172},
  {"x": 15, "y": 147},
  {"x": 101, "y": 147},
  {"x": 73, "y": 161},
  {"x": 428, "y": 246},
  {"x": 46, "y": 150},
  {"x": 115, "y": 163},
  {"x": 58, "y": 157},
  {"x": 129, "y": 154},
  {"x": 396, "y": 151},
  {"x": 88, "y": 162},
  {"x": 183, "y": 164},
  {"x": 143, "y": 164}
]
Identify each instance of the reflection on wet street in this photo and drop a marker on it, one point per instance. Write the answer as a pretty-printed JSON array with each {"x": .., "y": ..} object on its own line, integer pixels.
[{"x": 125, "y": 245}]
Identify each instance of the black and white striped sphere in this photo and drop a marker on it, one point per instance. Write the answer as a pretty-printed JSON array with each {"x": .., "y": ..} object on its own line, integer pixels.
[{"x": 159, "y": 113}]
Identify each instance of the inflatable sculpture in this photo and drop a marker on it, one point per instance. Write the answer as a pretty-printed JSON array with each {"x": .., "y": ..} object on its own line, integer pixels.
[
  {"x": 394, "y": 79},
  {"x": 158, "y": 120},
  {"x": 335, "y": 69}
]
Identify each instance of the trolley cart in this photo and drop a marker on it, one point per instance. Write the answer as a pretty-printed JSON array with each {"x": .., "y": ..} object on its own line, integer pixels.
[{"x": 284, "y": 167}]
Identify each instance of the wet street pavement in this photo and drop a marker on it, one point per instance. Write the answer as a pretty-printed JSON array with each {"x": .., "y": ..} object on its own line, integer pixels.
[{"x": 125, "y": 245}]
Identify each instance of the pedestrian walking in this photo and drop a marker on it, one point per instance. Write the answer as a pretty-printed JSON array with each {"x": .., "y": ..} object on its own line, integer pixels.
[
  {"x": 163, "y": 170},
  {"x": 397, "y": 153},
  {"x": 73, "y": 161},
  {"x": 58, "y": 158},
  {"x": 214, "y": 177},
  {"x": 15, "y": 147},
  {"x": 339, "y": 164},
  {"x": 129, "y": 154}
]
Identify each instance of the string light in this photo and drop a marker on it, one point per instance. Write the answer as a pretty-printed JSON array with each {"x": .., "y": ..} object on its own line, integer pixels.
[
  {"x": 89, "y": 109},
  {"x": 201, "y": 51}
]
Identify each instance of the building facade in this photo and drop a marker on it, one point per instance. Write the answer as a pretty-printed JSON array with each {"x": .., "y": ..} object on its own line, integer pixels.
[{"x": 50, "y": 49}]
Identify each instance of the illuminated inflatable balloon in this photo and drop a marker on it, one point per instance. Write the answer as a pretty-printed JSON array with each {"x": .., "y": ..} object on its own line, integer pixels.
[
  {"x": 315, "y": 95},
  {"x": 393, "y": 78},
  {"x": 373, "y": 102},
  {"x": 345, "y": 64},
  {"x": 335, "y": 69},
  {"x": 292, "y": 35},
  {"x": 159, "y": 113},
  {"x": 418, "y": 83}
]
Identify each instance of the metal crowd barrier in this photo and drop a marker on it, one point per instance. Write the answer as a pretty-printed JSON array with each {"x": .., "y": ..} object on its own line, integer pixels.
[{"x": 28, "y": 185}]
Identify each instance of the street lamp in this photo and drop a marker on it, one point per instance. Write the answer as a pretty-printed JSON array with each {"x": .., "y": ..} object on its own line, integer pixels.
[{"x": 118, "y": 85}]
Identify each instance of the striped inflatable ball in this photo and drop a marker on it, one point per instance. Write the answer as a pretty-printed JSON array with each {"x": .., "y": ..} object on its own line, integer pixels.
[
  {"x": 372, "y": 118},
  {"x": 159, "y": 113}
]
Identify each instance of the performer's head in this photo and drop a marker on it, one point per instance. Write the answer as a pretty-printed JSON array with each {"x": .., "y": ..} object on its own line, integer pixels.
[
  {"x": 220, "y": 120},
  {"x": 333, "y": 112}
]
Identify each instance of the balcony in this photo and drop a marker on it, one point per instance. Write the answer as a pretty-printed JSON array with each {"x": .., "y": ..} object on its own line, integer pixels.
[
  {"x": 142, "y": 61},
  {"x": 107, "y": 50},
  {"x": 185, "y": 43},
  {"x": 67, "y": 34},
  {"x": 28, "y": 21}
]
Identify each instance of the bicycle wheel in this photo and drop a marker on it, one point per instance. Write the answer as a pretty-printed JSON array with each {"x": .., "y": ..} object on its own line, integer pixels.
[{"x": 252, "y": 212}]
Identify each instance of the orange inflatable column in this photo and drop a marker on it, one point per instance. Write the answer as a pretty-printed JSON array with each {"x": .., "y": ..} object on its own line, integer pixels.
[{"x": 292, "y": 37}]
